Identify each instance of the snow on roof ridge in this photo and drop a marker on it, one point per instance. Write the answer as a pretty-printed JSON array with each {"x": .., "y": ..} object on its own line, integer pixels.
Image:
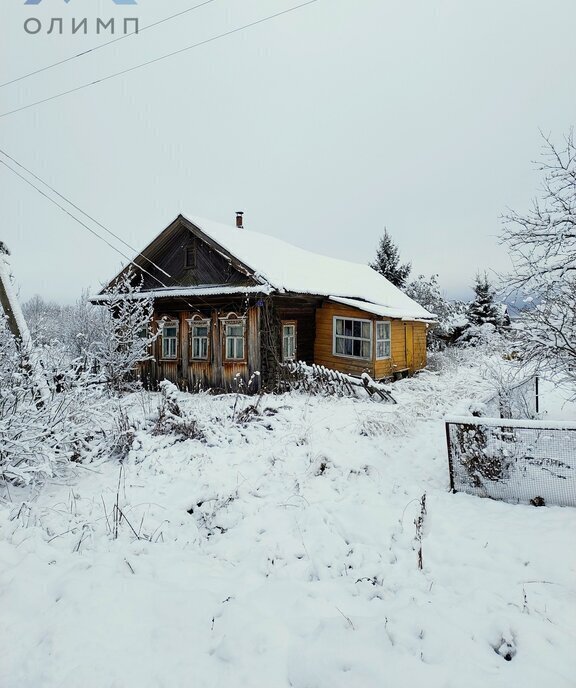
[{"x": 293, "y": 269}]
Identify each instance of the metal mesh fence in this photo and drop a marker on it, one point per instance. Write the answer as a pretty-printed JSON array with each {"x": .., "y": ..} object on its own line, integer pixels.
[
  {"x": 528, "y": 462},
  {"x": 518, "y": 401}
]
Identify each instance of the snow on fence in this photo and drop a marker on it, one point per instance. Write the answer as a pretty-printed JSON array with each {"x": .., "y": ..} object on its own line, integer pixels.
[
  {"x": 321, "y": 380},
  {"x": 518, "y": 401},
  {"x": 516, "y": 461}
]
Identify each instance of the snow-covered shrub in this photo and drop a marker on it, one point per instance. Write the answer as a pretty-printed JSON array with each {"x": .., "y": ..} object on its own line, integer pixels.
[
  {"x": 127, "y": 334},
  {"x": 480, "y": 464},
  {"x": 172, "y": 417},
  {"x": 485, "y": 337},
  {"x": 42, "y": 429},
  {"x": 379, "y": 424}
]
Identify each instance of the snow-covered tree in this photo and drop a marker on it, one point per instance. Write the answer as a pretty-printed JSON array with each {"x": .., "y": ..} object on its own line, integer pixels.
[
  {"x": 426, "y": 292},
  {"x": 484, "y": 310},
  {"x": 44, "y": 319},
  {"x": 542, "y": 245},
  {"x": 387, "y": 262},
  {"x": 127, "y": 332},
  {"x": 83, "y": 327}
]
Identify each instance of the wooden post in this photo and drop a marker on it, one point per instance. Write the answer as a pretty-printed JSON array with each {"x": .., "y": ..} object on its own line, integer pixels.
[
  {"x": 6, "y": 294},
  {"x": 450, "y": 457},
  {"x": 18, "y": 326}
]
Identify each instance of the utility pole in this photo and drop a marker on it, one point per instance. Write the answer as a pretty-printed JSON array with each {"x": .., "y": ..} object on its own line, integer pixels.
[{"x": 18, "y": 327}]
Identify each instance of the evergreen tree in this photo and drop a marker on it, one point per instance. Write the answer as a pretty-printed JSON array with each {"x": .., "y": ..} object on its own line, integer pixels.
[
  {"x": 387, "y": 262},
  {"x": 483, "y": 309}
]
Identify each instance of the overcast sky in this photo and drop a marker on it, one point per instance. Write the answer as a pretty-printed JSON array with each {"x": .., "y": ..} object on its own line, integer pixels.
[{"x": 324, "y": 125}]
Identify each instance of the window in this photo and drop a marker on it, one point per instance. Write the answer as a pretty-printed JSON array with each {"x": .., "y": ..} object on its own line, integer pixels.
[
  {"x": 199, "y": 338},
  {"x": 382, "y": 340},
  {"x": 234, "y": 336},
  {"x": 169, "y": 338},
  {"x": 352, "y": 337},
  {"x": 288, "y": 341},
  {"x": 190, "y": 256}
]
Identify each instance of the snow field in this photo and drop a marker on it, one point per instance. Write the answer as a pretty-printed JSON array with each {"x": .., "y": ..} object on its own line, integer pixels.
[{"x": 279, "y": 551}]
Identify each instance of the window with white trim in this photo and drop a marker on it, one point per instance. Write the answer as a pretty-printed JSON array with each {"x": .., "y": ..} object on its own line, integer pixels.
[
  {"x": 169, "y": 338},
  {"x": 383, "y": 339},
  {"x": 288, "y": 341},
  {"x": 234, "y": 339},
  {"x": 352, "y": 337},
  {"x": 199, "y": 338}
]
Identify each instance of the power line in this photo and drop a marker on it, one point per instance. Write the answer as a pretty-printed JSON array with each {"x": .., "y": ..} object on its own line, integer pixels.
[
  {"x": 162, "y": 57},
  {"x": 103, "y": 45},
  {"x": 83, "y": 224},
  {"x": 64, "y": 198},
  {"x": 64, "y": 210}
]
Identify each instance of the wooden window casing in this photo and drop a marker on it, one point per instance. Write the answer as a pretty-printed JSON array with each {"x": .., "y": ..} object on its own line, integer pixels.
[
  {"x": 190, "y": 257},
  {"x": 352, "y": 338},
  {"x": 234, "y": 347},
  {"x": 199, "y": 337},
  {"x": 383, "y": 339},
  {"x": 169, "y": 336},
  {"x": 289, "y": 340}
]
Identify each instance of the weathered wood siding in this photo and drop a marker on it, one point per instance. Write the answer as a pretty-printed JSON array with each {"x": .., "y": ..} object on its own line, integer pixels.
[
  {"x": 276, "y": 311},
  {"x": 263, "y": 344},
  {"x": 303, "y": 313},
  {"x": 408, "y": 349},
  {"x": 215, "y": 372},
  {"x": 210, "y": 267}
]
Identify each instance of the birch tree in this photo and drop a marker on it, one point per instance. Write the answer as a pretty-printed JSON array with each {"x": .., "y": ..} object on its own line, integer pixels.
[{"x": 542, "y": 245}]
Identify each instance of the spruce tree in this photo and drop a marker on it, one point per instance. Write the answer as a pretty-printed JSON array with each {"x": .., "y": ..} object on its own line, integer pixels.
[
  {"x": 483, "y": 309},
  {"x": 387, "y": 262}
]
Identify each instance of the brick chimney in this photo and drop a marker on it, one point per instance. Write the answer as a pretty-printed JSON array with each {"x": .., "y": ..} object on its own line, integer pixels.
[{"x": 239, "y": 221}]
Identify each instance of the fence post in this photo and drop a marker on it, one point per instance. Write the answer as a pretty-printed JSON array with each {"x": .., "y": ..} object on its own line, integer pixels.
[
  {"x": 537, "y": 385},
  {"x": 450, "y": 468}
]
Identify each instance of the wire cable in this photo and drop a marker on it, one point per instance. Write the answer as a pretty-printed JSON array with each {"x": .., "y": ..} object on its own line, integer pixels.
[
  {"x": 64, "y": 210},
  {"x": 99, "y": 224},
  {"x": 103, "y": 45},
  {"x": 161, "y": 57},
  {"x": 83, "y": 224}
]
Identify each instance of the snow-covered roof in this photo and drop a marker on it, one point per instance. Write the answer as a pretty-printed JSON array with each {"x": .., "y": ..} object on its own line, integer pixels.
[
  {"x": 383, "y": 311},
  {"x": 291, "y": 269},
  {"x": 199, "y": 290}
]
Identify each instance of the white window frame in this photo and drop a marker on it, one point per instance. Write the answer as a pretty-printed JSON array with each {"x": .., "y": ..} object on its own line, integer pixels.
[
  {"x": 387, "y": 339},
  {"x": 199, "y": 321},
  {"x": 162, "y": 324},
  {"x": 293, "y": 325},
  {"x": 352, "y": 337},
  {"x": 232, "y": 320}
]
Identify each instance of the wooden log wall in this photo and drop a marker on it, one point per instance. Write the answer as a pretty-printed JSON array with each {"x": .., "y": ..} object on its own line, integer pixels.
[{"x": 215, "y": 372}]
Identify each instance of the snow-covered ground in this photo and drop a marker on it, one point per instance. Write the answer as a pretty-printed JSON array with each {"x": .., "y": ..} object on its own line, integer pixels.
[{"x": 278, "y": 548}]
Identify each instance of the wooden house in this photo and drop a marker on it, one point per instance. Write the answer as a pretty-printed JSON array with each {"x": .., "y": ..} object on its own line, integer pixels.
[{"x": 233, "y": 304}]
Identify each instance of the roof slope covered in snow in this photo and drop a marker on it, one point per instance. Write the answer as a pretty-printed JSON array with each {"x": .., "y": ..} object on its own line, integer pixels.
[{"x": 288, "y": 268}]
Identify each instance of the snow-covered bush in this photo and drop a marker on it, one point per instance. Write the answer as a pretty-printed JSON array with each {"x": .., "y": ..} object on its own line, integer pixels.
[
  {"x": 486, "y": 335},
  {"x": 42, "y": 429},
  {"x": 126, "y": 333},
  {"x": 172, "y": 417}
]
